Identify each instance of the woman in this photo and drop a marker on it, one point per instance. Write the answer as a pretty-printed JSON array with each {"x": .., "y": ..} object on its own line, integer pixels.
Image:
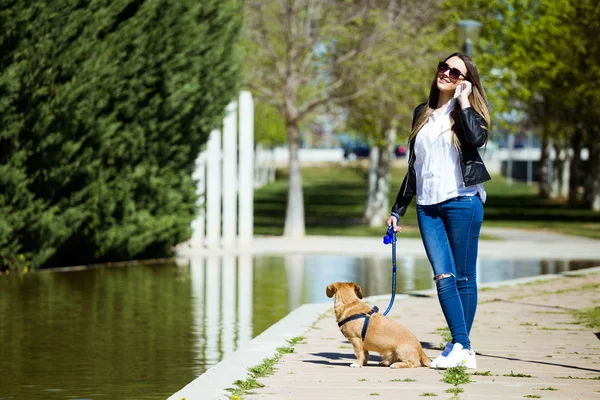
[{"x": 446, "y": 173}]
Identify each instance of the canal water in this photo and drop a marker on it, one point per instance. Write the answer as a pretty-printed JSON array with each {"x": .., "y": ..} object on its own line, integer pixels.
[{"x": 144, "y": 332}]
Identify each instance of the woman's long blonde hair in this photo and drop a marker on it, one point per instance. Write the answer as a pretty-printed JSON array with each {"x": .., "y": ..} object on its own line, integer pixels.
[{"x": 477, "y": 98}]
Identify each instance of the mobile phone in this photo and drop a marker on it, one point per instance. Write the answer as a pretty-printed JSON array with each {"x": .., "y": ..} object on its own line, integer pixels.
[{"x": 458, "y": 90}]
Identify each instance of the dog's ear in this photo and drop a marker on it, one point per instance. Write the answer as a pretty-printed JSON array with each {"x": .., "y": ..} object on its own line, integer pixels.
[
  {"x": 358, "y": 291},
  {"x": 330, "y": 290}
]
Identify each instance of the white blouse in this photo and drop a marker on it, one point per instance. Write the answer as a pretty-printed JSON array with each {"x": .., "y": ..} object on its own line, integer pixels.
[{"x": 437, "y": 164}]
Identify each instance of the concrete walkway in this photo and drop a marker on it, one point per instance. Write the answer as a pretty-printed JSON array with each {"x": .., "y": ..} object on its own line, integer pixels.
[{"x": 522, "y": 327}]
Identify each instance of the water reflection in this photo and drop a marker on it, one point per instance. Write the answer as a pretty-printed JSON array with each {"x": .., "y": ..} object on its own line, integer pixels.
[{"x": 146, "y": 331}]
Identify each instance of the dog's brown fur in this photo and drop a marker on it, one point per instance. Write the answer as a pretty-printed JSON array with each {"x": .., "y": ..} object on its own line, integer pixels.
[{"x": 398, "y": 347}]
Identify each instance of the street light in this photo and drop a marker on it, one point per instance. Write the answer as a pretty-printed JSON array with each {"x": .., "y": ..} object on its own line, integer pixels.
[{"x": 468, "y": 33}]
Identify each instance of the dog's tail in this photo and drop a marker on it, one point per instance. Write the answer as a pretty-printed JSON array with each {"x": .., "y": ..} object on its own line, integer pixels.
[{"x": 425, "y": 361}]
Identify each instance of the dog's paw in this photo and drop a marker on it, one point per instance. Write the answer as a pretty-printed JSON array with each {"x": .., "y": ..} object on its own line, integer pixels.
[{"x": 355, "y": 365}]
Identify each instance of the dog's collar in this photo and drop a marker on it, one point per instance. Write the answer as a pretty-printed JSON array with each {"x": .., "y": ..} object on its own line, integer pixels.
[{"x": 367, "y": 318}]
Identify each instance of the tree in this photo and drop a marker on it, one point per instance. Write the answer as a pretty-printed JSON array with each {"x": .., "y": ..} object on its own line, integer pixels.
[
  {"x": 292, "y": 49},
  {"x": 104, "y": 108},
  {"x": 547, "y": 51},
  {"x": 413, "y": 38}
]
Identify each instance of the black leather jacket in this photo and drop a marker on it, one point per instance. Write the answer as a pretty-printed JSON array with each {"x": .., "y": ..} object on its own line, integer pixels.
[{"x": 471, "y": 135}]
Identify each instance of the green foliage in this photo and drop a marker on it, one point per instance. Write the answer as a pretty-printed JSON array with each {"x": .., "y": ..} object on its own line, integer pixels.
[
  {"x": 265, "y": 368},
  {"x": 456, "y": 376},
  {"x": 455, "y": 390},
  {"x": 410, "y": 40},
  {"x": 104, "y": 107},
  {"x": 269, "y": 126},
  {"x": 590, "y": 317},
  {"x": 518, "y": 375}
]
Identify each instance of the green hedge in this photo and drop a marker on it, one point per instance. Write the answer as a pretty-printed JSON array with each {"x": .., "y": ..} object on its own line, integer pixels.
[{"x": 104, "y": 106}]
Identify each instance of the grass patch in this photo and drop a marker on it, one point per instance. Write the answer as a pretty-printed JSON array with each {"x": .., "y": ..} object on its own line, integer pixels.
[
  {"x": 265, "y": 368},
  {"x": 456, "y": 376},
  {"x": 549, "y": 388},
  {"x": 428, "y": 394},
  {"x": 513, "y": 375},
  {"x": 362, "y": 379},
  {"x": 455, "y": 390},
  {"x": 334, "y": 204},
  {"x": 403, "y": 380},
  {"x": 478, "y": 373},
  {"x": 595, "y": 378},
  {"x": 374, "y": 394},
  {"x": 590, "y": 317},
  {"x": 446, "y": 337},
  {"x": 533, "y": 396}
]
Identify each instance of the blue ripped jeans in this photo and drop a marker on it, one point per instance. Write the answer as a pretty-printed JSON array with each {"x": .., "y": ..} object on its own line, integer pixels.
[{"x": 450, "y": 233}]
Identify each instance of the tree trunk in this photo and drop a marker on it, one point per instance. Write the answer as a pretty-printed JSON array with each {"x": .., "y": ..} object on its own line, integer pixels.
[
  {"x": 294, "y": 216},
  {"x": 558, "y": 169},
  {"x": 575, "y": 169},
  {"x": 592, "y": 177},
  {"x": 544, "y": 191},
  {"x": 377, "y": 209}
]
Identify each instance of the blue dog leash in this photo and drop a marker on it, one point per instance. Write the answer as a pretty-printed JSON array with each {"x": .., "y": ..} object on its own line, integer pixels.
[{"x": 390, "y": 237}]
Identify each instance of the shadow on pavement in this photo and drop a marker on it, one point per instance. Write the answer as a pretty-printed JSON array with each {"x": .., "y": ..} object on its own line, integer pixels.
[
  {"x": 338, "y": 356},
  {"x": 538, "y": 362}
]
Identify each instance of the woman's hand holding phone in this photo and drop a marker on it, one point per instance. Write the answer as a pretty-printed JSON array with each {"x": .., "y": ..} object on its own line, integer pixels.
[{"x": 462, "y": 92}]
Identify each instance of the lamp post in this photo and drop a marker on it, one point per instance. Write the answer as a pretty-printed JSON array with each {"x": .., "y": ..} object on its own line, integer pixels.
[{"x": 468, "y": 33}]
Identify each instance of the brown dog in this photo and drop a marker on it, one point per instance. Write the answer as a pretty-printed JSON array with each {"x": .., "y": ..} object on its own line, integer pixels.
[{"x": 398, "y": 347}]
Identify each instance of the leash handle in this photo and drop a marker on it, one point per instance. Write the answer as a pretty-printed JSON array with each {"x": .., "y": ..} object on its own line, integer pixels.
[{"x": 390, "y": 238}]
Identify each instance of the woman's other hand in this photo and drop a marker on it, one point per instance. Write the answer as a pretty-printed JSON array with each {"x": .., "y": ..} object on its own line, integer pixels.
[{"x": 394, "y": 222}]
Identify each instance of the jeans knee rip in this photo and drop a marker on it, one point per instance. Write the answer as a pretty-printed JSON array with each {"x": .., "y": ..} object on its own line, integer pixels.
[{"x": 439, "y": 277}]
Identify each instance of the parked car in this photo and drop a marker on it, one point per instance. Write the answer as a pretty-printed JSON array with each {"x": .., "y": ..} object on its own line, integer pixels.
[
  {"x": 400, "y": 150},
  {"x": 354, "y": 151}
]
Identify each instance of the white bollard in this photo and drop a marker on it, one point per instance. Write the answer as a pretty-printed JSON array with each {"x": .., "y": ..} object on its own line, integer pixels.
[
  {"x": 246, "y": 170},
  {"x": 230, "y": 176},
  {"x": 213, "y": 190}
]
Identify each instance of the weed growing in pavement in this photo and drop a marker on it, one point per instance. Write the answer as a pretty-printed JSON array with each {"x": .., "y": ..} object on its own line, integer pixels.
[
  {"x": 456, "y": 376},
  {"x": 479, "y": 373},
  {"x": 589, "y": 316},
  {"x": 446, "y": 337},
  {"x": 571, "y": 377},
  {"x": 513, "y": 375},
  {"x": 455, "y": 390},
  {"x": 428, "y": 394},
  {"x": 549, "y": 388},
  {"x": 533, "y": 396},
  {"x": 265, "y": 368}
]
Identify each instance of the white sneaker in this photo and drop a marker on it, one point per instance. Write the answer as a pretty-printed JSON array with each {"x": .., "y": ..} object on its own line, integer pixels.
[
  {"x": 442, "y": 356},
  {"x": 457, "y": 357}
]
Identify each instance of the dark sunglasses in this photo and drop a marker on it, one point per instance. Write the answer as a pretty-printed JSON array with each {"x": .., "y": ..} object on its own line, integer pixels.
[{"x": 454, "y": 73}]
